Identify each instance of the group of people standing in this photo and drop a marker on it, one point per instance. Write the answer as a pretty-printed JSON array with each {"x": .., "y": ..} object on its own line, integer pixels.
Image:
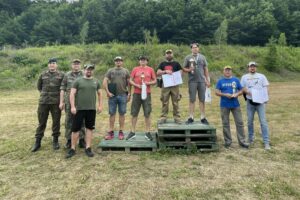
[{"x": 78, "y": 91}]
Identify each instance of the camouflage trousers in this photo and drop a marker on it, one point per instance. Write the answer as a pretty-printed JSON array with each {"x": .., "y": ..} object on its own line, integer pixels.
[
  {"x": 69, "y": 122},
  {"x": 43, "y": 113},
  {"x": 166, "y": 93}
]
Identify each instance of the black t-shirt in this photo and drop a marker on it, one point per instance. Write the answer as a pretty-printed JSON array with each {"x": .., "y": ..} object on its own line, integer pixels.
[{"x": 173, "y": 65}]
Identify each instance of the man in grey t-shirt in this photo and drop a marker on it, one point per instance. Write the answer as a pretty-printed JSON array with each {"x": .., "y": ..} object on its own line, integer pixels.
[{"x": 195, "y": 65}]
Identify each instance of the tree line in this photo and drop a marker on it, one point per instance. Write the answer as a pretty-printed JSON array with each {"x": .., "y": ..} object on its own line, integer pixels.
[{"x": 252, "y": 22}]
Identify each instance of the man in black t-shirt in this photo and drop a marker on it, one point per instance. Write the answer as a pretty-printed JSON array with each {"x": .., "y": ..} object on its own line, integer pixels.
[{"x": 168, "y": 67}]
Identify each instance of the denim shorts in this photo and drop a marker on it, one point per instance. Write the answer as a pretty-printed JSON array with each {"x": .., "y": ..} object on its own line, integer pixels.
[{"x": 119, "y": 101}]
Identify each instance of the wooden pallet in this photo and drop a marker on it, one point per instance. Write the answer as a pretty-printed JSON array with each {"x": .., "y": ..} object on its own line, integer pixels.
[
  {"x": 138, "y": 144},
  {"x": 200, "y": 147},
  {"x": 182, "y": 136}
]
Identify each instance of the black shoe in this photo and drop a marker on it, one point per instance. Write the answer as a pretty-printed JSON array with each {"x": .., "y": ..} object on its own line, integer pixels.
[
  {"x": 37, "y": 145},
  {"x": 89, "y": 152},
  {"x": 130, "y": 136},
  {"x": 55, "y": 143},
  {"x": 68, "y": 144},
  {"x": 81, "y": 143},
  {"x": 227, "y": 146},
  {"x": 204, "y": 121},
  {"x": 189, "y": 121},
  {"x": 148, "y": 136},
  {"x": 70, "y": 153},
  {"x": 244, "y": 145}
]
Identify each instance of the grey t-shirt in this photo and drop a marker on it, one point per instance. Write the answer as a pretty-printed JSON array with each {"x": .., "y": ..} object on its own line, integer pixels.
[
  {"x": 199, "y": 63},
  {"x": 119, "y": 76}
]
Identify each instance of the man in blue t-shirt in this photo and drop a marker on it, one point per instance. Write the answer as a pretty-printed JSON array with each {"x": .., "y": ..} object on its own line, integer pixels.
[{"x": 229, "y": 88}]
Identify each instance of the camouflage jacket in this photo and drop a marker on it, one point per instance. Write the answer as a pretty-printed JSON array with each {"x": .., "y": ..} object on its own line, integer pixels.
[
  {"x": 49, "y": 86},
  {"x": 67, "y": 83}
]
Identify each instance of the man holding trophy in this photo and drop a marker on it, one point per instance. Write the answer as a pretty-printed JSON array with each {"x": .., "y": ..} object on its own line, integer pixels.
[
  {"x": 141, "y": 77},
  {"x": 196, "y": 66},
  {"x": 229, "y": 88}
]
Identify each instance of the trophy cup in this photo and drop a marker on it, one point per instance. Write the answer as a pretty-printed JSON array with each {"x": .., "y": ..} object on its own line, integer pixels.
[
  {"x": 233, "y": 84},
  {"x": 192, "y": 60},
  {"x": 144, "y": 87}
]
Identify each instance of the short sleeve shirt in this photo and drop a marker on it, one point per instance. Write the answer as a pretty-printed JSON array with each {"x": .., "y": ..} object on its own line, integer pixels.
[
  {"x": 199, "y": 62},
  {"x": 228, "y": 85},
  {"x": 254, "y": 81},
  {"x": 173, "y": 66},
  {"x": 136, "y": 77},
  {"x": 119, "y": 76},
  {"x": 85, "y": 98}
]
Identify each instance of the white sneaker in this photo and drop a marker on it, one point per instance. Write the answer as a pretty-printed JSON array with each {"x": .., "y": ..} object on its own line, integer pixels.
[{"x": 267, "y": 147}]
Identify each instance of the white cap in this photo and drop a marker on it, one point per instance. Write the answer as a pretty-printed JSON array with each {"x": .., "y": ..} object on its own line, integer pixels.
[{"x": 252, "y": 63}]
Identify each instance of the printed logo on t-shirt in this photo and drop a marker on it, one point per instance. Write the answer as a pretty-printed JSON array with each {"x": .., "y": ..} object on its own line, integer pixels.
[{"x": 169, "y": 67}]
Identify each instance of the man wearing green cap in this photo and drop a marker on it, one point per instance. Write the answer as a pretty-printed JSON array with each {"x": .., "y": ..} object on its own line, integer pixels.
[
  {"x": 229, "y": 88},
  {"x": 49, "y": 87},
  {"x": 65, "y": 89}
]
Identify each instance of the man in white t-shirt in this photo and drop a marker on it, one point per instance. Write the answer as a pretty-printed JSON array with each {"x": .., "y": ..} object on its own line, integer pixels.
[{"x": 254, "y": 81}]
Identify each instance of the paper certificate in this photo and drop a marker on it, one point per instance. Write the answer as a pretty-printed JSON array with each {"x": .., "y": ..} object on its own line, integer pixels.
[
  {"x": 260, "y": 96},
  {"x": 173, "y": 79}
]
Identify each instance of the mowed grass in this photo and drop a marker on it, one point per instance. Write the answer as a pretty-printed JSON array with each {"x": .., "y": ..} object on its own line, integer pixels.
[{"x": 228, "y": 174}]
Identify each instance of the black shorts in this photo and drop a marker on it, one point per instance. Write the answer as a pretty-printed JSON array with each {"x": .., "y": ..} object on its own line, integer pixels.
[{"x": 86, "y": 116}]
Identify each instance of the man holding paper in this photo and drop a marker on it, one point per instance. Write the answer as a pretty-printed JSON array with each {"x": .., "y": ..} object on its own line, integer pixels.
[
  {"x": 170, "y": 71},
  {"x": 256, "y": 89}
]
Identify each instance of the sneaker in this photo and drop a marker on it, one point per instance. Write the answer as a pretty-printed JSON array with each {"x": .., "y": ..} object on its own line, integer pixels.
[
  {"x": 68, "y": 144},
  {"x": 267, "y": 147},
  {"x": 70, "y": 153},
  {"x": 81, "y": 143},
  {"x": 178, "y": 121},
  {"x": 162, "y": 121},
  {"x": 121, "y": 135},
  {"x": 110, "y": 135},
  {"x": 130, "y": 136},
  {"x": 204, "y": 121},
  {"x": 89, "y": 152},
  {"x": 189, "y": 121},
  {"x": 148, "y": 136},
  {"x": 244, "y": 145}
]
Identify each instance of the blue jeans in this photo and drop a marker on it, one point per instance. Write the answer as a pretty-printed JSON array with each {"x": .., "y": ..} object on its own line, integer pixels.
[
  {"x": 262, "y": 119},
  {"x": 119, "y": 101}
]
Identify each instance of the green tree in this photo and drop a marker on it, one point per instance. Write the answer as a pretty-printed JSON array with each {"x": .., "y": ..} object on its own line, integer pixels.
[
  {"x": 271, "y": 59},
  {"x": 84, "y": 32},
  {"x": 282, "y": 40},
  {"x": 221, "y": 33}
]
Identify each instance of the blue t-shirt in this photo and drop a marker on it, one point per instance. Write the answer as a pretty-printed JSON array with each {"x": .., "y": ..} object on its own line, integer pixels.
[{"x": 226, "y": 85}]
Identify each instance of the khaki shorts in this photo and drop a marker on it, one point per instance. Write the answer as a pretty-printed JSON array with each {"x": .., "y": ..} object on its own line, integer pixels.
[
  {"x": 137, "y": 102},
  {"x": 195, "y": 87}
]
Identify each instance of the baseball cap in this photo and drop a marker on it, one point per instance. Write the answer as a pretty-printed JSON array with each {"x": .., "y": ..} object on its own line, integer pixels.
[
  {"x": 169, "y": 51},
  {"x": 227, "y": 67},
  {"x": 143, "y": 58},
  {"x": 89, "y": 66},
  {"x": 52, "y": 60},
  {"x": 118, "y": 58},
  {"x": 252, "y": 63},
  {"x": 76, "y": 61}
]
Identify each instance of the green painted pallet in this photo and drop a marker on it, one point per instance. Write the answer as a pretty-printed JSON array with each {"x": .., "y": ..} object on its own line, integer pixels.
[
  {"x": 197, "y": 125},
  {"x": 200, "y": 147},
  {"x": 137, "y": 144}
]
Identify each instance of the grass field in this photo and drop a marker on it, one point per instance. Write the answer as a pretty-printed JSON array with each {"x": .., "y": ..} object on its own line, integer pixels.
[{"x": 228, "y": 174}]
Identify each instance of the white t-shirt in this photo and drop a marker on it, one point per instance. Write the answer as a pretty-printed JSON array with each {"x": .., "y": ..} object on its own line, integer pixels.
[{"x": 254, "y": 81}]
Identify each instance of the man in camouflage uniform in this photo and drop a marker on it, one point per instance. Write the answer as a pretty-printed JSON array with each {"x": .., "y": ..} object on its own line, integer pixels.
[
  {"x": 49, "y": 86},
  {"x": 65, "y": 89}
]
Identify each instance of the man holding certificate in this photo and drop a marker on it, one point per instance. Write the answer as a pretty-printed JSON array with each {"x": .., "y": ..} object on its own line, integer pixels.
[
  {"x": 170, "y": 71},
  {"x": 256, "y": 89}
]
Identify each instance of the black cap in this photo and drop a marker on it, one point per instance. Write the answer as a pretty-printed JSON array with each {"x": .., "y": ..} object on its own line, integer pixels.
[
  {"x": 52, "y": 60},
  {"x": 143, "y": 58},
  {"x": 89, "y": 66}
]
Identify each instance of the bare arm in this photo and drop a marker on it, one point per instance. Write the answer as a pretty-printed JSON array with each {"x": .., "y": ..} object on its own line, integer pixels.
[
  {"x": 72, "y": 100},
  {"x": 105, "y": 86},
  {"x": 133, "y": 83},
  {"x": 100, "y": 102},
  {"x": 220, "y": 94},
  {"x": 207, "y": 79}
]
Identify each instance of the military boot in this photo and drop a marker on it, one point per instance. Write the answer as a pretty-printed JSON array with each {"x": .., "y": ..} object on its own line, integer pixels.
[
  {"x": 55, "y": 143},
  {"x": 37, "y": 145}
]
